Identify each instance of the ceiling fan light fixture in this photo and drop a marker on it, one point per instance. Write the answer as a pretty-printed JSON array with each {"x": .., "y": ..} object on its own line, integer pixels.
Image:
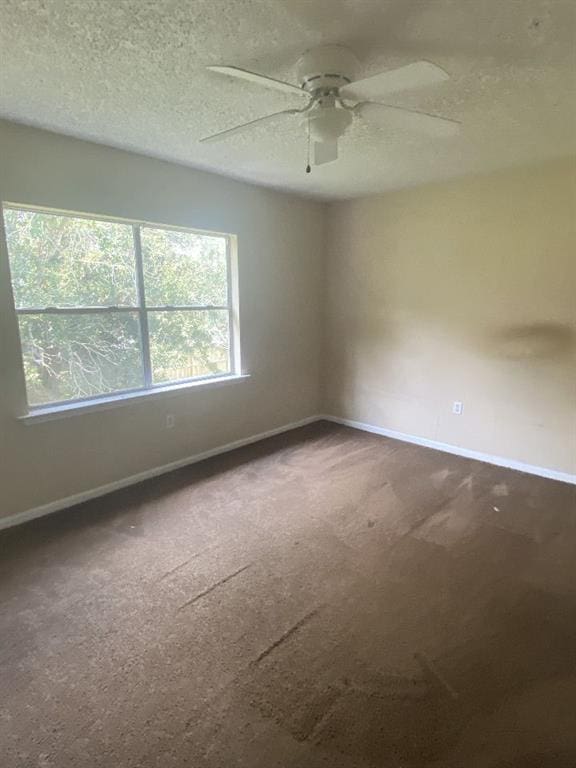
[{"x": 329, "y": 123}]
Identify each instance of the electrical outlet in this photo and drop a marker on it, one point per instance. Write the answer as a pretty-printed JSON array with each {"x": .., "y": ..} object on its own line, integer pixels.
[
  {"x": 457, "y": 407},
  {"x": 170, "y": 421}
]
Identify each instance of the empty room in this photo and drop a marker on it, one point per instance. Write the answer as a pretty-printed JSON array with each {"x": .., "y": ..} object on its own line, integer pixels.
[{"x": 288, "y": 384}]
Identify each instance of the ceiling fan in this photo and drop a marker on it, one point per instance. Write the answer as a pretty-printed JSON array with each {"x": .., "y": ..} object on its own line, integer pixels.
[{"x": 325, "y": 77}]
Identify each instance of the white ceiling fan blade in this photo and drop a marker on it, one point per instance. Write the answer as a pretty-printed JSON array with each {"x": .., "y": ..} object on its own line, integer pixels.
[
  {"x": 416, "y": 75},
  {"x": 253, "y": 77},
  {"x": 325, "y": 152},
  {"x": 408, "y": 119},
  {"x": 240, "y": 128}
]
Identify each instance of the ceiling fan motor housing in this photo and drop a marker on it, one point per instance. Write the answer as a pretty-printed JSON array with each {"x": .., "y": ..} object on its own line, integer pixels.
[{"x": 326, "y": 68}]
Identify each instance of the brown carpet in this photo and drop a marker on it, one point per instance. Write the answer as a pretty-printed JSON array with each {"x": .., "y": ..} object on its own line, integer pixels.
[{"x": 324, "y": 598}]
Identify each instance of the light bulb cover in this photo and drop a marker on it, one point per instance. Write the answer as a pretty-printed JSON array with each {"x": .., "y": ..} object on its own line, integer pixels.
[{"x": 328, "y": 124}]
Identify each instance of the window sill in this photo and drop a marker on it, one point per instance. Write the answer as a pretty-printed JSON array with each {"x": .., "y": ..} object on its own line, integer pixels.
[{"x": 51, "y": 412}]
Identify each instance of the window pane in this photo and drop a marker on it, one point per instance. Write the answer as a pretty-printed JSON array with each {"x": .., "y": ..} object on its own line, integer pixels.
[
  {"x": 188, "y": 344},
  {"x": 75, "y": 356},
  {"x": 66, "y": 261},
  {"x": 183, "y": 268}
]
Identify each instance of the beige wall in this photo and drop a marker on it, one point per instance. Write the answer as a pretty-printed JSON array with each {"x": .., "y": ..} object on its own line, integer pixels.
[
  {"x": 459, "y": 291},
  {"x": 280, "y": 249}
]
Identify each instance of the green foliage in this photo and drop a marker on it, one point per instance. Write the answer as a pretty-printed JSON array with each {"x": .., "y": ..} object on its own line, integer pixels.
[
  {"x": 65, "y": 261},
  {"x": 172, "y": 354},
  {"x": 75, "y": 356},
  {"x": 69, "y": 262},
  {"x": 183, "y": 268}
]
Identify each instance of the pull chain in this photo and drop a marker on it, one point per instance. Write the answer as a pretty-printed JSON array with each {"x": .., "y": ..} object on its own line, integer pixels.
[{"x": 308, "y": 167}]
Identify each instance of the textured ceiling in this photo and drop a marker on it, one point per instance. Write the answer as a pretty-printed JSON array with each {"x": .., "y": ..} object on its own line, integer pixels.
[{"x": 130, "y": 73}]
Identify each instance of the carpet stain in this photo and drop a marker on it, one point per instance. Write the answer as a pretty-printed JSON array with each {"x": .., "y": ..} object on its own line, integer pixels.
[{"x": 500, "y": 489}]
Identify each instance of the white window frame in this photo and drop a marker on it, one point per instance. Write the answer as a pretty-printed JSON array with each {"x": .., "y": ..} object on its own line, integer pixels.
[{"x": 142, "y": 309}]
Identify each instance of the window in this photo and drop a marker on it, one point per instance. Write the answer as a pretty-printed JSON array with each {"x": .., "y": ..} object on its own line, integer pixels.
[{"x": 110, "y": 307}]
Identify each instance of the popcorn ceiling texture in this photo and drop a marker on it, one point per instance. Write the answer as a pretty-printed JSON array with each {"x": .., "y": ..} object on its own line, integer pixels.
[{"x": 130, "y": 73}]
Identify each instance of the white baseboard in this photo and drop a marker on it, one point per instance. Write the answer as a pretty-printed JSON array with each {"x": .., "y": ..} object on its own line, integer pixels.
[
  {"x": 102, "y": 490},
  {"x": 499, "y": 461}
]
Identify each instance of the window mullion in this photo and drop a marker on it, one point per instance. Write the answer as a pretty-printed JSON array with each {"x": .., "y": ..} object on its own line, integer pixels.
[
  {"x": 232, "y": 362},
  {"x": 144, "y": 335}
]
